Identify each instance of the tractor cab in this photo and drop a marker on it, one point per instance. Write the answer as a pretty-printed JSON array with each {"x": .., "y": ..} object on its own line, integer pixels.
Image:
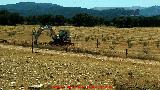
[{"x": 63, "y": 38}]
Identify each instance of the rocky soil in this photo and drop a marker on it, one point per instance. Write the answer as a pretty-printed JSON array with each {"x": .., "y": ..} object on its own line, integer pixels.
[{"x": 22, "y": 70}]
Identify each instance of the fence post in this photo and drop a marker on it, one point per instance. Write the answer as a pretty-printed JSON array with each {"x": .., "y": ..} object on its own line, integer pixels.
[
  {"x": 32, "y": 41},
  {"x": 126, "y": 53},
  {"x": 97, "y": 43}
]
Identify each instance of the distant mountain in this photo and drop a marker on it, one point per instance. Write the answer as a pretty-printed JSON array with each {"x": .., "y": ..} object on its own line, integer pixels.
[
  {"x": 31, "y": 8},
  {"x": 126, "y": 8},
  {"x": 144, "y": 11},
  {"x": 150, "y": 11}
]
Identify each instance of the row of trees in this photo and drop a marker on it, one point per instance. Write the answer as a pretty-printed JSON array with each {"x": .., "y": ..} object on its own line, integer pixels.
[
  {"x": 136, "y": 21},
  {"x": 45, "y": 19},
  {"x": 7, "y": 18},
  {"x": 82, "y": 19},
  {"x": 59, "y": 20}
]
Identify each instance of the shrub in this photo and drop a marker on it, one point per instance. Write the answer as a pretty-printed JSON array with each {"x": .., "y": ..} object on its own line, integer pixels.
[
  {"x": 103, "y": 39},
  {"x": 146, "y": 50},
  {"x": 12, "y": 33},
  {"x": 87, "y": 38},
  {"x": 158, "y": 43},
  {"x": 129, "y": 42}
]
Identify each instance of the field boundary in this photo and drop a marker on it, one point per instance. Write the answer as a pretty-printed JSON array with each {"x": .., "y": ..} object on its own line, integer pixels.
[
  {"x": 98, "y": 57},
  {"x": 109, "y": 53}
]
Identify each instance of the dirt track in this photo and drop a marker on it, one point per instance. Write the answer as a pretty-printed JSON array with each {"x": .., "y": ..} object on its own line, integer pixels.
[{"x": 98, "y": 57}]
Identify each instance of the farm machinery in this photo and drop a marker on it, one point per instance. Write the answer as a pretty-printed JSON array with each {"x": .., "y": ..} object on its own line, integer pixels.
[{"x": 63, "y": 38}]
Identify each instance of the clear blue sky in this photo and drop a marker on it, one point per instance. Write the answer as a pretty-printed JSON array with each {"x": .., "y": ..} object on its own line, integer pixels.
[{"x": 90, "y": 3}]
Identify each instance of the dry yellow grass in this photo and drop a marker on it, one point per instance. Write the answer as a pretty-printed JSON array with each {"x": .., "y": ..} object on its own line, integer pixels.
[
  {"x": 20, "y": 68},
  {"x": 111, "y": 39}
]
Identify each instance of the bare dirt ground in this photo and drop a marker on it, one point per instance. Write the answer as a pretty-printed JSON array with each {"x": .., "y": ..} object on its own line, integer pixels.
[{"x": 20, "y": 69}]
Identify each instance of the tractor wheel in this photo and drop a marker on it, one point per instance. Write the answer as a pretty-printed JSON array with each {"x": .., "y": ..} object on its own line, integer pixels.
[{"x": 51, "y": 43}]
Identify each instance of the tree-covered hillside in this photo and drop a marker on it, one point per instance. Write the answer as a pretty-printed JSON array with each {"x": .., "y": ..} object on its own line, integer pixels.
[{"x": 31, "y": 9}]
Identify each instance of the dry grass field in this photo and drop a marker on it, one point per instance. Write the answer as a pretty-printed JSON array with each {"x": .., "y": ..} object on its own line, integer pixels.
[
  {"x": 142, "y": 43},
  {"x": 21, "y": 69}
]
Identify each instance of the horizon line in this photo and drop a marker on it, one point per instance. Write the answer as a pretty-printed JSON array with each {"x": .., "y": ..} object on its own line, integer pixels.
[{"x": 80, "y": 6}]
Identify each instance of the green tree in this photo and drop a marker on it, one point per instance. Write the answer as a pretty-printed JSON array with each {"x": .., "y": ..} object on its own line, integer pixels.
[
  {"x": 84, "y": 19},
  {"x": 60, "y": 20}
]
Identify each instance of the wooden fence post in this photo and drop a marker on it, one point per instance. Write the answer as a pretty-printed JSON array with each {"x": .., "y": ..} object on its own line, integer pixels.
[
  {"x": 97, "y": 43},
  {"x": 32, "y": 41},
  {"x": 126, "y": 53}
]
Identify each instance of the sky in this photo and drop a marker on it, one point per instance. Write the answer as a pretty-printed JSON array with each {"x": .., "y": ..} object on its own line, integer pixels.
[{"x": 91, "y": 3}]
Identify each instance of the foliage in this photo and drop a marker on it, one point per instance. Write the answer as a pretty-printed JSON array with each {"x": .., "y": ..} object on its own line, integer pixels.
[
  {"x": 7, "y": 18},
  {"x": 129, "y": 42},
  {"x": 136, "y": 21},
  {"x": 81, "y": 19},
  {"x": 84, "y": 19}
]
